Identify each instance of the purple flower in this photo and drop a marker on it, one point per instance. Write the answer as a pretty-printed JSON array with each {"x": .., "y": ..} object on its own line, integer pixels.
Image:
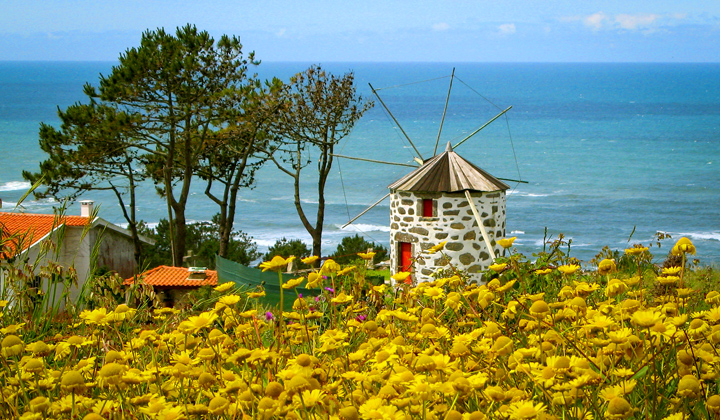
[
  {"x": 269, "y": 316},
  {"x": 330, "y": 289},
  {"x": 360, "y": 318}
]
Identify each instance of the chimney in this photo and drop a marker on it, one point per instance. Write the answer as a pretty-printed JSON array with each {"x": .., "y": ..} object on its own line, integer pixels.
[{"x": 86, "y": 208}]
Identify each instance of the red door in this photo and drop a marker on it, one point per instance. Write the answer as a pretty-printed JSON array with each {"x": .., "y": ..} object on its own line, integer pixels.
[{"x": 405, "y": 256}]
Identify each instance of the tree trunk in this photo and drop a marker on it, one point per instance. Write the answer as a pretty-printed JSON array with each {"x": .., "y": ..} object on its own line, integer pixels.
[{"x": 180, "y": 237}]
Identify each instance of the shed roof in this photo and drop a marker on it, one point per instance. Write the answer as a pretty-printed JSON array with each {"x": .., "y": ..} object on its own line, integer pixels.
[
  {"x": 165, "y": 276},
  {"x": 448, "y": 172},
  {"x": 19, "y": 231}
]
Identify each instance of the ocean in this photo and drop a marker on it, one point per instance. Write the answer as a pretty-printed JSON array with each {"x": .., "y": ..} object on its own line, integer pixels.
[{"x": 606, "y": 149}]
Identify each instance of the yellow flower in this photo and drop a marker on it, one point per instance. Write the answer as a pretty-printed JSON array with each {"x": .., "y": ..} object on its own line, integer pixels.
[
  {"x": 310, "y": 260},
  {"x": 503, "y": 345},
  {"x": 607, "y": 266},
  {"x": 375, "y": 408},
  {"x": 293, "y": 283},
  {"x": 506, "y": 242},
  {"x": 380, "y": 288},
  {"x": 314, "y": 280},
  {"x": 522, "y": 410},
  {"x": 615, "y": 287},
  {"x": 632, "y": 281},
  {"x": 437, "y": 247},
  {"x": 666, "y": 280},
  {"x": 346, "y": 270},
  {"x": 539, "y": 308},
  {"x": 111, "y": 373},
  {"x": 636, "y": 250},
  {"x": 224, "y": 287},
  {"x": 98, "y": 316},
  {"x": 341, "y": 298},
  {"x": 569, "y": 268},
  {"x": 204, "y": 320},
  {"x": 255, "y": 295},
  {"x": 713, "y": 404},
  {"x": 228, "y": 300},
  {"x": 401, "y": 276},
  {"x": 689, "y": 387},
  {"x": 330, "y": 267},
  {"x": 278, "y": 263},
  {"x": 645, "y": 319},
  {"x": 498, "y": 267},
  {"x": 618, "y": 408},
  {"x": 435, "y": 293},
  {"x": 543, "y": 271},
  {"x": 366, "y": 256},
  {"x": 672, "y": 270},
  {"x": 73, "y": 381},
  {"x": 39, "y": 404},
  {"x": 683, "y": 246},
  {"x": 308, "y": 399},
  {"x": 11, "y": 346},
  {"x": 218, "y": 405}
]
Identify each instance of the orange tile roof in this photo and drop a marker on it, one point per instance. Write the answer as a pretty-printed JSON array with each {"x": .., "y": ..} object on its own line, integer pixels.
[
  {"x": 30, "y": 228},
  {"x": 174, "y": 277}
]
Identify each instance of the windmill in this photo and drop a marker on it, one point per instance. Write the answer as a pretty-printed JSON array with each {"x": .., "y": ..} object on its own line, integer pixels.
[{"x": 444, "y": 199}]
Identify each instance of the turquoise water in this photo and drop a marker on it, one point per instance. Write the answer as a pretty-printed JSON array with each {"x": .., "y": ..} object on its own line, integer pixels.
[{"x": 605, "y": 148}]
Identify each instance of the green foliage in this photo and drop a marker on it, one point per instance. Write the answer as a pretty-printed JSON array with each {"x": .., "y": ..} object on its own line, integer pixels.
[
  {"x": 203, "y": 241},
  {"x": 286, "y": 247},
  {"x": 348, "y": 248}
]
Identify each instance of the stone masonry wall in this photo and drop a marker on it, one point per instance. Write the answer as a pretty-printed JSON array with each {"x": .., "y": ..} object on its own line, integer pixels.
[{"x": 452, "y": 221}]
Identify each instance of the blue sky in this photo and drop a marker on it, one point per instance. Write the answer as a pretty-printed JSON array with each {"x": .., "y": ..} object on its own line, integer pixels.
[{"x": 371, "y": 30}]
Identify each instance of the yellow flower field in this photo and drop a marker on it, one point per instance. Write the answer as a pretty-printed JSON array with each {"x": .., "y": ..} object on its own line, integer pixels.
[{"x": 594, "y": 343}]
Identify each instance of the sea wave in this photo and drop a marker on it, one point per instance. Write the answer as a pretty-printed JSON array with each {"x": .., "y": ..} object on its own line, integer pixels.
[
  {"x": 526, "y": 194},
  {"x": 702, "y": 236},
  {"x": 364, "y": 227},
  {"x": 15, "y": 186}
]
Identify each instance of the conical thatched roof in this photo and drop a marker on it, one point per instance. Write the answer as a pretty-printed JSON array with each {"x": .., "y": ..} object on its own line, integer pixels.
[{"x": 448, "y": 172}]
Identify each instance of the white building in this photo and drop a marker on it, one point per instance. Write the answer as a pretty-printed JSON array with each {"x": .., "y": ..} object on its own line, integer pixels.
[
  {"x": 37, "y": 242},
  {"x": 446, "y": 199}
]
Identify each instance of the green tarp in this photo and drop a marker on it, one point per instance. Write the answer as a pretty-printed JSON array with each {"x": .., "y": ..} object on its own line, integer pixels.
[{"x": 250, "y": 278}]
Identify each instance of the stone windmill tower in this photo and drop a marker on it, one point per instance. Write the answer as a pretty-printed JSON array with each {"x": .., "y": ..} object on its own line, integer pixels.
[{"x": 446, "y": 199}]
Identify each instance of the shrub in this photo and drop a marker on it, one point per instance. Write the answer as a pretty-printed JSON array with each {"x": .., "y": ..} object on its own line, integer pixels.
[
  {"x": 287, "y": 247},
  {"x": 348, "y": 248}
]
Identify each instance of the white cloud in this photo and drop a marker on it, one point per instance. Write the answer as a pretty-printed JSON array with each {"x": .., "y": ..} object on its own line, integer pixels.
[
  {"x": 641, "y": 22},
  {"x": 280, "y": 33},
  {"x": 595, "y": 21},
  {"x": 507, "y": 28},
  {"x": 442, "y": 26},
  {"x": 633, "y": 22}
]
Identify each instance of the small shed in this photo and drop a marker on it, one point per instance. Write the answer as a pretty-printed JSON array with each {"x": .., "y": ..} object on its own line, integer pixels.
[
  {"x": 171, "y": 284},
  {"x": 446, "y": 199}
]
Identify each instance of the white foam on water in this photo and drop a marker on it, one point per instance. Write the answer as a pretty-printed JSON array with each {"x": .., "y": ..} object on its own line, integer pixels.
[
  {"x": 517, "y": 232},
  {"x": 703, "y": 236},
  {"x": 526, "y": 194},
  {"x": 364, "y": 227},
  {"x": 15, "y": 186}
]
